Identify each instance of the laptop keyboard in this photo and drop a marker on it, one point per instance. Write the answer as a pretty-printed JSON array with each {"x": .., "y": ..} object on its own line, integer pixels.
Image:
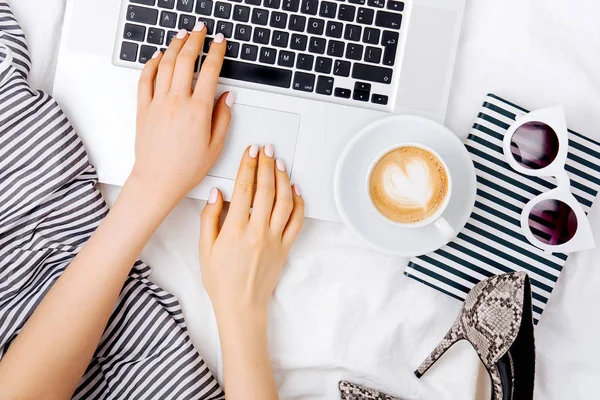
[{"x": 347, "y": 52}]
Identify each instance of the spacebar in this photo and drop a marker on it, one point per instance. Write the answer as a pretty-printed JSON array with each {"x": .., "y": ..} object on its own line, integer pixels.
[{"x": 256, "y": 73}]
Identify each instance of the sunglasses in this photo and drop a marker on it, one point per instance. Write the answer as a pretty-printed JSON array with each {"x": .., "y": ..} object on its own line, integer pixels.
[{"x": 537, "y": 145}]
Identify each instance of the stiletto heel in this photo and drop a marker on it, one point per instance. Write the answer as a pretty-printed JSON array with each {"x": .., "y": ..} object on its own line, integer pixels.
[{"x": 497, "y": 320}]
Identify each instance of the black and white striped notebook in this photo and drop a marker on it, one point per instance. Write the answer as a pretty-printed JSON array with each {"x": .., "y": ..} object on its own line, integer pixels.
[{"x": 492, "y": 241}]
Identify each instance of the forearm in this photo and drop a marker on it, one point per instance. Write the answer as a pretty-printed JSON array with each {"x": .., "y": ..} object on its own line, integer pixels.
[
  {"x": 247, "y": 366},
  {"x": 50, "y": 355}
]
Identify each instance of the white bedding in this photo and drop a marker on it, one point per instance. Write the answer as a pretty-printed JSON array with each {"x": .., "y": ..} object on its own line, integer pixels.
[{"x": 344, "y": 311}]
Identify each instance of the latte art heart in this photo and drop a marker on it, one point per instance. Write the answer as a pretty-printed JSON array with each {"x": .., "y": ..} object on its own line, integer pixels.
[{"x": 409, "y": 186}]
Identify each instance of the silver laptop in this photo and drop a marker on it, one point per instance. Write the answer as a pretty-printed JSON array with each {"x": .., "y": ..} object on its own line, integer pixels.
[{"x": 308, "y": 75}]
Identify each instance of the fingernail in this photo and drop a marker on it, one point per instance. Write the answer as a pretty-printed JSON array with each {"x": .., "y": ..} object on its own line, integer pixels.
[
  {"x": 269, "y": 150},
  {"x": 199, "y": 26},
  {"x": 181, "y": 34},
  {"x": 280, "y": 164},
  {"x": 297, "y": 190},
  {"x": 156, "y": 54},
  {"x": 253, "y": 152},
  {"x": 219, "y": 38},
  {"x": 230, "y": 99},
  {"x": 212, "y": 197}
]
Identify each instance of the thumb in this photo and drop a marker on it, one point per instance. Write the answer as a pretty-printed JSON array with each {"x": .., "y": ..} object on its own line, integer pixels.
[{"x": 209, "y": 222}]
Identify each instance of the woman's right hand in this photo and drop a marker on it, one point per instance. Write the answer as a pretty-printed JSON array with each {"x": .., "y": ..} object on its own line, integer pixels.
[{"x": 241, "y": 262}]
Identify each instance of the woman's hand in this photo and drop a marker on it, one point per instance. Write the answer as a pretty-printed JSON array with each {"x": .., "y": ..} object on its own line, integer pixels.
[
  {"x": 242, "y": 261},
  {"x": 180, "y": 131}
]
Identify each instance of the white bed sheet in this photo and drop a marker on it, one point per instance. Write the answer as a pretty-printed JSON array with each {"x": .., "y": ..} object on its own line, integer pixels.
[{"x": 344, "y": 311}]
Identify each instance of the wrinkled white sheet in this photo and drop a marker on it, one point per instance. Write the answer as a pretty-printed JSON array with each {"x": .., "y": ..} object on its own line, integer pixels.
[{"x": 344, "y": 311}]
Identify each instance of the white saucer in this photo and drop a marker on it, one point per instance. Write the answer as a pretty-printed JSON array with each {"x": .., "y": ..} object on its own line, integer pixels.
[{"x": 351, "y": 177}]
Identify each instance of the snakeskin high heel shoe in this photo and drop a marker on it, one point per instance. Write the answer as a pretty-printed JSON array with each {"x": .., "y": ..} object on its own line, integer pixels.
[{"x": 497, "y": 320}]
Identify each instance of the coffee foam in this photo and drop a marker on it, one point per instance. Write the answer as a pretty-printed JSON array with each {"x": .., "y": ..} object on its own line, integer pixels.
[{"x": 408, "y": 184}]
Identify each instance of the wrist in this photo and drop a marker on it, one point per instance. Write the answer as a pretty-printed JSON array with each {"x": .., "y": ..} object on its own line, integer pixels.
[{"x": 241, "y": 318}]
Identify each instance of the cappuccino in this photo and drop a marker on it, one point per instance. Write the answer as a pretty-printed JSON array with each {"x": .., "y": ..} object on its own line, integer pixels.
[{"x": 408, "y": 184}]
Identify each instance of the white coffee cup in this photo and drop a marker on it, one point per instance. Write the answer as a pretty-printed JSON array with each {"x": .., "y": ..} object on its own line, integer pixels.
[{"x": 440, "y": 223}]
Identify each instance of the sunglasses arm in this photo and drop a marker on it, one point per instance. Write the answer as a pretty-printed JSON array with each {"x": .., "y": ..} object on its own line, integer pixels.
[{"x": 563, "y": 180}]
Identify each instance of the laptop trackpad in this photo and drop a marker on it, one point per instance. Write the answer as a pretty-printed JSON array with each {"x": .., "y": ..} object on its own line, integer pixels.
[{"x": 261, "y": 126}]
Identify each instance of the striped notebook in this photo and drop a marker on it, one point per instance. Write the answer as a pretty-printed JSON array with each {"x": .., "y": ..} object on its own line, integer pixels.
[{"x": 492, "y": 241}]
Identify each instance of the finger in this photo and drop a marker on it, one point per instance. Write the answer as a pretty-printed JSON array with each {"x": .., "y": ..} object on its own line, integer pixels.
[
  {"x": 284, "y": 201},
  {"x": 186, "y": 60},
  {"x": 239, "y": 209},
  {"x": 206, "y": 85},
  {"x": 209, "y": 222},
  {"x": 167, "y": 64},
  {"x": 265, "y": 187},
  {"x": 146, "y": 82},
  {"x": 221, "y": 119},
  {"x": 296, "y": 219}
]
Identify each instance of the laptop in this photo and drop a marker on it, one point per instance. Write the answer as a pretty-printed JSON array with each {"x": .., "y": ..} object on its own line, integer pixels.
[{"x": 308, "y": 74}]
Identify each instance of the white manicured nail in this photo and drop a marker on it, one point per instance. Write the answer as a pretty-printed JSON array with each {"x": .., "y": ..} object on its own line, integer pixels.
[
  {"x": 253, "y": 152},
  {"x": 214, "y": 194},
  {"x": 280, "y": 164},
  {"x": 269, "y": 150},
  {"x": 230, "y": 99},
  {"x": 181, "y": 34},
  {"x": 297, "y": 190},
  {"x": 219, "y": 38},
  {"x": 199, "y": 26},
  {"x": 156, "y": 54}
]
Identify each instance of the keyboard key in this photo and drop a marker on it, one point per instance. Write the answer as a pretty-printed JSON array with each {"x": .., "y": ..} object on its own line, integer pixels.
[
  {"x": 360, "y": 95},
  {"x": 371, "y": 36},
  {"x": 291, "y": 5},
  {"x": 305, "y": 62},
  {"x": 361, "y": 2},
  {"x": 286, "y": 59},
  {"x": 253, "y": 2},
  {"x": 249, "y": 52},
  {"x": 317, "y": 45},
  {"x": 267, "y": 55},
  {"x": 373, "y": 55},
  {"x": 170, "y": 36},
  {"x": 334, "y": 29},
  {"x": 204, "y": 7},
  {"x": 185, "y": 5},
  {"x": 376, "y": 3},
  {"x": 144, "y": 2},
  {"x": 222, "y": 10},
  {"x": 304, "y": 82},
  {"x": 354, "y": 51},
  {"x": 261, "y": 35},
  {"x": 146, "y": 53},
  {"x": 187, "y": 22},
  {"x": 128, "y": 51},
  {"x": 343, "y": 93},
  {"x": 256, "y": 73},
  {"x": 328, "y": 9},
  {"x": 362, "y": 86},
  {"x": 316, "y": 26},
  {"x": 210, "y": 25},
  {"x": 299, "y": 42},
  {"x": 341, "y": 68},
  {"x": 365, "y": 16},
  {"x": 243, "y": 32},
  {"x": 134, "y": 32},
  {"x": 226, "y": 28},
  {"x": 233, "y": 49},
  {"x": 352, "y": 32},
  {"x": 325, "y": 85},
  {"x": 388, "y": 20},
  {"x": 389, "y": 41},
  {"x": 168, "y": 19},
  {"x": 272, "y": 4},
  {"x": 297, "y": 23},
  {"x": 372, "y": 73},
  {"x": 323, "y": 65},
  {"x": 379, "y": 99},
  {"x": 309, "y": 7},
  {"x": 156, "y": 36},
  {"x": 346, "y": 13},
  {"x": 280, "y": 39},
  {"x": 142, "y": 15},
  {"x": 335, "y": 48},
  {"x": 395, "y": 5},
  {"x": 278, "y": 20},
  {"x": 206, "y": 46},
  {"x": 166, "y": 4},
  {"x": 241, "y": 13},
  {"x": 260, "y": 16}
]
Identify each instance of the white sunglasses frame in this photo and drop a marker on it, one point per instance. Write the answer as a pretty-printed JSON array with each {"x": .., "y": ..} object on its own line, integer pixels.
[{"x": 555, "y": 118}]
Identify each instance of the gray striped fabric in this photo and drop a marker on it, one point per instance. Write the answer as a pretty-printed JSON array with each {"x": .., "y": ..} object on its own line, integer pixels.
[
  {"x": 492, "y": 241},
  {"x": 49, "y": 207}
]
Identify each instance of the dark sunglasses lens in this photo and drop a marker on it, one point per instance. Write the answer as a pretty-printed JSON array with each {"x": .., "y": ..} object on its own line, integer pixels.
[
  {"x": 534, "y": 145},
  {"x": 553, "y": 222}
]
